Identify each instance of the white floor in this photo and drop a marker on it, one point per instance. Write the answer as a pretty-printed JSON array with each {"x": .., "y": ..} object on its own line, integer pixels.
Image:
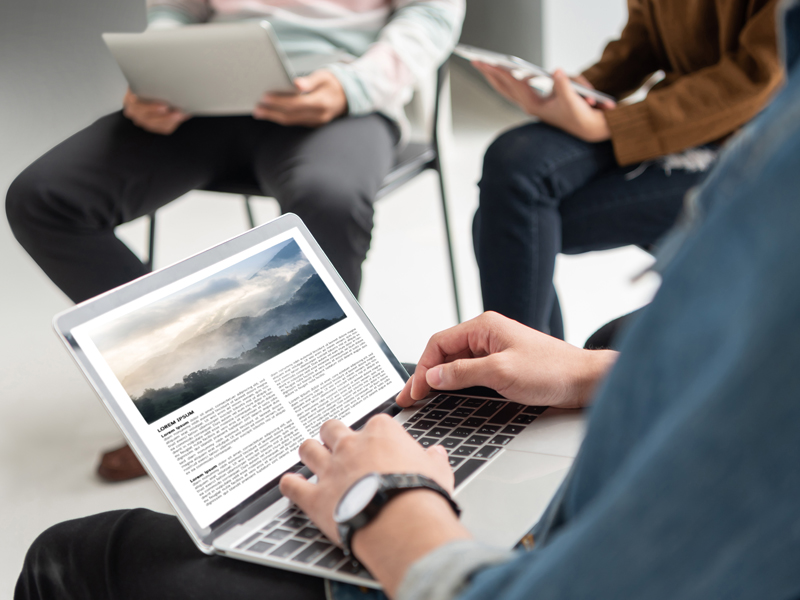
[{"x": 51, "y": 425}]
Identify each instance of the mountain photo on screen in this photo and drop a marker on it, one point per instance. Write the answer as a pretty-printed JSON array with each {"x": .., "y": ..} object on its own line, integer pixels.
[{"x": 177, "y": 349}]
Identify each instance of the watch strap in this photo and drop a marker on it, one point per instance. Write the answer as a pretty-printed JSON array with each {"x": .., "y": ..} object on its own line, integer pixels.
[{"x": 390, "y": 486}]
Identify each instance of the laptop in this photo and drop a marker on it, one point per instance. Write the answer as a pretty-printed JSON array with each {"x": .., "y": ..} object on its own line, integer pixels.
[
  {"x": 217, "y": 368},
  {"x": 205, "y": 69}
]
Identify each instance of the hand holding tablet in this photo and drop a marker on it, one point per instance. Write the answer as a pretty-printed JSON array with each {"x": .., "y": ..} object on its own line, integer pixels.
[
  {"x": 514, "y": 64},
  {"x": 204, "y": 69},
  {"x": 570, "y": 106}
]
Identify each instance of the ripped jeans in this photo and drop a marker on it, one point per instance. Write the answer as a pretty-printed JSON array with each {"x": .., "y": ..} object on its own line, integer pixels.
[{"x": 544, "y": 191}]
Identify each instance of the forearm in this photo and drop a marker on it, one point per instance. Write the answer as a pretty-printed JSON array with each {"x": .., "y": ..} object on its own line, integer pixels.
[
  {"x": 704, "y": 105},
  {"x": 409, "y": 527},
  {"x": 591, "y": 372},
  {"x": 702, "y": 109},
  {"x": 625, "y": 62},
  {"x": 419, "y": 36}
]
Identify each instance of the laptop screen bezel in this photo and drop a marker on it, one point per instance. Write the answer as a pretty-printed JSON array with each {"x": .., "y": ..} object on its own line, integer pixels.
[{"x": 65, "y": 322}]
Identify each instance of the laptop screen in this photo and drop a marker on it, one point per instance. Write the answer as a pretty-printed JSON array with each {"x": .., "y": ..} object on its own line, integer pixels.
[{"x": 223, "y": 373}]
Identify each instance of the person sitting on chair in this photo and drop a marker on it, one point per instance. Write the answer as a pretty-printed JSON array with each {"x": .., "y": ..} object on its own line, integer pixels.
[
  {"x": 593, "y": 177},
  {"x": 322, "y": 153}
]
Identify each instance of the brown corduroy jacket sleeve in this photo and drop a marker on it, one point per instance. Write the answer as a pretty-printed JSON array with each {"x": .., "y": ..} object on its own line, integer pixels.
[
  {"x": 695, "y": 108},
  {"x": 626, "y": 62}
]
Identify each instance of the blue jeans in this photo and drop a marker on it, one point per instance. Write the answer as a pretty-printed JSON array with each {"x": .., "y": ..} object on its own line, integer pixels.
[{"x": 543, "y": 192}]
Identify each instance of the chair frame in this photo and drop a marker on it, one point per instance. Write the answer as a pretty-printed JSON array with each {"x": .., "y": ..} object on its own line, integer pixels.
[{"x": 428, "y": 157}]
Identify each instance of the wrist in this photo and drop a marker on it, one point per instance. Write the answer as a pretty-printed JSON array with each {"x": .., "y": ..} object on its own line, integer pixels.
[
  {"x": 602, "y": 131},
  {"x": 411, "y": 525},
  {"x": 596, "y": 365}
]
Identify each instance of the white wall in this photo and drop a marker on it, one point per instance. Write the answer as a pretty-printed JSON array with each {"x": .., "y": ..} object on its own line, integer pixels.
[{"x": 576, "y": 31}]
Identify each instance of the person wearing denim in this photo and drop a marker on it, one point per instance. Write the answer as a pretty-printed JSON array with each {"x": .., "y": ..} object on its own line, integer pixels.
[
  {"x": 687, "y": 482},
  {"x": 686, "y": 485},
  {"x": 593, "y": 177}
]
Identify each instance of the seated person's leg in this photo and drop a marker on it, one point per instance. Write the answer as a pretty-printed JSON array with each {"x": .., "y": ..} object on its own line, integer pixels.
[
  {"x": 612, "y": 211},
  {"x": 329, "y": 177},
  {"x": 142, "y": 554},
  {"x": 527, "y": 172},
  {"x": 64, "y": 207}
]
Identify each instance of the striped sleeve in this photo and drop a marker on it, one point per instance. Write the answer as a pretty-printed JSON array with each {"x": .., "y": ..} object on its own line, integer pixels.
[
  {"x": 178, "y": 12},
  {"x": 419, "y": 36}
]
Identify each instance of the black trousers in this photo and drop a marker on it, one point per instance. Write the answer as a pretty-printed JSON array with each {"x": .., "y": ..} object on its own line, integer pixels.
[
  {"x": 129, "y": 554},
  {"x": 63, "y": 208}
]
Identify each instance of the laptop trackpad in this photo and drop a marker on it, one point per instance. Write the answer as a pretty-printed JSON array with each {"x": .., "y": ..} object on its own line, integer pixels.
[{"x": 509, "y": 496}]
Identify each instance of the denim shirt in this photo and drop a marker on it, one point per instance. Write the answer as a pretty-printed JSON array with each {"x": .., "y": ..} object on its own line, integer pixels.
[{"x": 688, "y": 481}]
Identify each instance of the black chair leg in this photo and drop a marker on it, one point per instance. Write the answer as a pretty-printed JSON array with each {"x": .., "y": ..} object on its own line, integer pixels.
[
  {"x": 151, "y": 243},
  {"x": 437, "y": 165},
  {"x": 249, "y": 209}
]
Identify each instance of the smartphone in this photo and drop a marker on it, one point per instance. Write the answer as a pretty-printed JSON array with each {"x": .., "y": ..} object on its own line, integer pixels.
[{"x": 514, "y": 63}]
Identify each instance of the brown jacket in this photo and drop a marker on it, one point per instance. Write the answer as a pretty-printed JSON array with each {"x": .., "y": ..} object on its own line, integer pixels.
[{"x": 721, "y": 63}]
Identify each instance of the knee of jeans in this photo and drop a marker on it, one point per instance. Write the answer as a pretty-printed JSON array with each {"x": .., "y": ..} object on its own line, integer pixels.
[
  {"x": 511, "y": 152},
  {"x": 513, "y": 161}
]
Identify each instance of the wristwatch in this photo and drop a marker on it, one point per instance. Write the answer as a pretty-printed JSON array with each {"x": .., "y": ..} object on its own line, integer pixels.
[{"x": 367, "y": 496}]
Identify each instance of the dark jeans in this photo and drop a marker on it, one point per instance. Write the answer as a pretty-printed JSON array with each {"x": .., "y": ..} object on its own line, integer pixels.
[
  {"x": 63, "y": 208},
  {"x": 544, "y": 191},
  {"x": 141, "y": 554}
]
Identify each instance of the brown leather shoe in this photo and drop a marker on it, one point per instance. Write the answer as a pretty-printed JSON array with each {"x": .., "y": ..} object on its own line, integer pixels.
[{"x": 120, "y": 465}]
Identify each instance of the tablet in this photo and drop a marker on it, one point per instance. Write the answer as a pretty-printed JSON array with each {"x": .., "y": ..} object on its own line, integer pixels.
[
  {"x": 205, "y": 69},
  {"x": 516, "y": 64}
]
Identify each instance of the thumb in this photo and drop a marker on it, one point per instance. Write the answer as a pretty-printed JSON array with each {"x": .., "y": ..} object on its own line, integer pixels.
[
  {"x": 462, "y": 373},
  {"x": 310, "y": 82},
  {"x": 562, "y": 86}
]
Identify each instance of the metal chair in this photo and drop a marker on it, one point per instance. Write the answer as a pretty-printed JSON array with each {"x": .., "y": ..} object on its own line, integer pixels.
[{"x": 412, "y": 160}]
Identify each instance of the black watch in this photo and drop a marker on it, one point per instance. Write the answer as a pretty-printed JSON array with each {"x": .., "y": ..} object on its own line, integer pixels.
[{"x": 367, "y": 496}]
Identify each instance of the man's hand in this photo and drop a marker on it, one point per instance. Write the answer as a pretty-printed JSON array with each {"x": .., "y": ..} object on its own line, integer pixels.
[
  {"x": 563, "y": 108},
  {"x": 382, "y": 446},
  {"x": 321, "y": 99},
  {"x": 410, "y": 526},
  {"x": 155, "y": 117},
  {"x": 522, "y": 364}
]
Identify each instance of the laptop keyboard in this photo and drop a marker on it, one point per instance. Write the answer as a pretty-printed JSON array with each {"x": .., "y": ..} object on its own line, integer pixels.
[{"x": 472, "y": 430}]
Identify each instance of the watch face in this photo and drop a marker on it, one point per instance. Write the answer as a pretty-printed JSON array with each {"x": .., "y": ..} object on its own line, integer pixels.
[{"x": 357, "y": 497}]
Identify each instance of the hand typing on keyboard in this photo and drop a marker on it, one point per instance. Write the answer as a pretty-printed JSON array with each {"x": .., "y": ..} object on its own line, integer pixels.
[
  {"x": 525, "y": 366},
  {"x": 382, "y": 446},
  {"x": 522, "y": 364}
]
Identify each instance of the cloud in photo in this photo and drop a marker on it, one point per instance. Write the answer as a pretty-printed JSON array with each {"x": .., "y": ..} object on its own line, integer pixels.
[{"x": 247, "y": 289}]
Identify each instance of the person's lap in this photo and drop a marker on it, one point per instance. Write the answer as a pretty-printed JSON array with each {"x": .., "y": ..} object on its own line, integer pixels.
[
  {"x": 141, "y": 554},
  {"x": 613, "y": 211},
  {"x": 543, "y": 192},
  {"x": 63, "y": 208}
]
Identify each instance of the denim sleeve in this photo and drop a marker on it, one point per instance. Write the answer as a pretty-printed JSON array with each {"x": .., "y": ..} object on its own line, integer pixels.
[
  {"x": 445, "y": 572},
  {"x": 687, "y": 483}
]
